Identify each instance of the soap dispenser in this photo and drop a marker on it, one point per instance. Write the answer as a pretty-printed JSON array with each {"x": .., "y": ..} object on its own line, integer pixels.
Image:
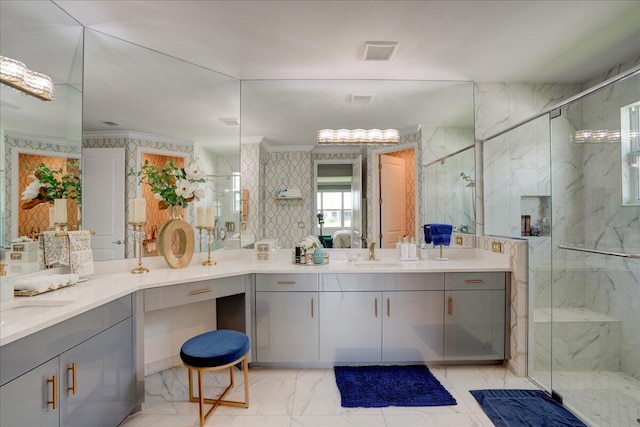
[
  {"x": 404, "y": 249},
  {"x": 413, "y": 249}
]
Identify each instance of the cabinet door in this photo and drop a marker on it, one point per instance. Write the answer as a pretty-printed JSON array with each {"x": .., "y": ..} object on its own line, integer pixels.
[
  {"x": 104, "y": 379},
  {"x": 287, "y": 326},
  {"x": 23, "y": 401},
  {"x": 474, "y": 325},
  {"x": 350, "y": 326},
  {"x": 412, "y": 326}
]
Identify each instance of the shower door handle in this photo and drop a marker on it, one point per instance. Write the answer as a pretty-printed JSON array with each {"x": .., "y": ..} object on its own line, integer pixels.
[{"x": 597, "y": 251}]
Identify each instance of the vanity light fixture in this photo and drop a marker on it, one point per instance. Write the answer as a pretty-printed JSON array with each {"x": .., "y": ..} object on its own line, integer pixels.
[
  {"x": 358, "y": 136},
  {"x": 601, "y": 136},
  {"x": 15, "y": 74}
]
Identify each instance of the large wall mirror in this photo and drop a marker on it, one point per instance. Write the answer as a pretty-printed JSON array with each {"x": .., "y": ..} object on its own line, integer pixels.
[
  {"x": 141, "y": 105},
  {"x": 33, "y": 132},
  {"x": 280, "y": 120}
]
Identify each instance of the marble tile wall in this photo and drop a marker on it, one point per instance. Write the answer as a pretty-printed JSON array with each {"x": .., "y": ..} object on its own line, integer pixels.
[{"x": 250, "y": 180}]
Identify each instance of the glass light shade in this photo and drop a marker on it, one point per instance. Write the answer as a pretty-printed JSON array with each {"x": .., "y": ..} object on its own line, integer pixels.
[
  {"x": 40, "y": 84},
  {"x": 358, "y": 136},
  {"x": 11, "y": 70}
]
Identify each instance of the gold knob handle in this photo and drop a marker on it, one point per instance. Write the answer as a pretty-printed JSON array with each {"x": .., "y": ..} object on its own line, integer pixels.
[
  {"x": 450, "y": 306},
  {"x": 200, "y": 291},
  {"x": 312, "y": 308},
  {"x": 388, "y": 307},
  {"x": 474, "y": 281},
  {"x": 53, "y": 402},
  {"x": 376, "y": 307},
  {"x": 72, "y": 368},
  {"x": 286, "y": 282}
]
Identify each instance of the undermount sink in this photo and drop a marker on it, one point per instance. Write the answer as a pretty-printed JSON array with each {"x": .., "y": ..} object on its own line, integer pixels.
[
  {"x": 18, "y": 310},
  {"x": 377, "y": 263}
]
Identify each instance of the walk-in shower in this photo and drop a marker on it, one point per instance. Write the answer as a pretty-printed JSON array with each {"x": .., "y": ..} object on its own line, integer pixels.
[{"x": 584, "y": 276}]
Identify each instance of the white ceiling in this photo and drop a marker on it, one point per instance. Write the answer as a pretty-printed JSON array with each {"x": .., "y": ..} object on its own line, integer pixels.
[
  {"x": 495, "y": 41},
  {"x": 512, "y": 41}
]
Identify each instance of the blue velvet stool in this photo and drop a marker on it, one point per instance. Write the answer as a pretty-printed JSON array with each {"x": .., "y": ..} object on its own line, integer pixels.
[{"x": 212, "y": 351}]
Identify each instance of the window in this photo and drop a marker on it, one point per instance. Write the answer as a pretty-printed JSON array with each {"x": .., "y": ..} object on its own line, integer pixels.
[
  {"x": 335, "y": 206},
  {"x": 630, "y": 141}
]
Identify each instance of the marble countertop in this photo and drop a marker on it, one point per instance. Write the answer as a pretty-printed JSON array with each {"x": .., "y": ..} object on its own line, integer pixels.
[{"x": 113, "y": 279}]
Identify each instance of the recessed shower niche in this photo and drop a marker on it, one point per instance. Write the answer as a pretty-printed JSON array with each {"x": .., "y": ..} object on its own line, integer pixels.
[{"x": 535, "y": 214}]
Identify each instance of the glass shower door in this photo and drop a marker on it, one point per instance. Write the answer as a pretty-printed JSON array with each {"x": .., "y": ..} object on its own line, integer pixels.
[{"x": 595, "y": 271}]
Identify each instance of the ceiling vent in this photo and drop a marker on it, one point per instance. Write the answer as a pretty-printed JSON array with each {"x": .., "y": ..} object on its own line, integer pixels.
[
  {"x": 379, "y": 51},
  {"x": 111, "y": 123},
  {"x": 361, "y": 98}
]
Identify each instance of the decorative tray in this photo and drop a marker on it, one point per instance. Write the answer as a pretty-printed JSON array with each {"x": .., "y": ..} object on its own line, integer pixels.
[{"x": 33, "y": 293}]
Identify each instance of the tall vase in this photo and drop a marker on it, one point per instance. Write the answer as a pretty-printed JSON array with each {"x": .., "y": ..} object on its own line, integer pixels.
[{"x": 176, "y": 240}]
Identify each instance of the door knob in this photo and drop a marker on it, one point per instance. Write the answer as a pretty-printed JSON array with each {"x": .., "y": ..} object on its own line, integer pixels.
[{"x": 117, "y": 242}]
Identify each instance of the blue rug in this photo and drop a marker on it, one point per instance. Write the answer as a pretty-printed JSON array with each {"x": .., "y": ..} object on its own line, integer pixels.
[
  {"x": 380, "y": 386},
  {"x": 524, "y": 408}
]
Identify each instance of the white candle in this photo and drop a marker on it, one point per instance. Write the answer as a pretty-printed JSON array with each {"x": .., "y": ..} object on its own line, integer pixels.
[
  {"x": 200, "y": 216},
  {"x": 138, "y": 210},
  {"x": 52, "y": 218},
  {"x": 60, "y": 206},
  {"x": 210, "y": 217}
]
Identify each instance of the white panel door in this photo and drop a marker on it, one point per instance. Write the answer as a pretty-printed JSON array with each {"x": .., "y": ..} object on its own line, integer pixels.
[
  {"x": 287, "y": 326},
  {"x": 393, "y": 209},
  {"x": 103, "y": 197},
  {"x": 412, "y": 326},
  {"x": 350, "y": 326}
]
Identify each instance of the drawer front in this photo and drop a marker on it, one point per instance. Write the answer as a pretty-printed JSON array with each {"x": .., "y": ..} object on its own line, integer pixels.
[
  {"x": 287, "y": 282},
  {"x": 475, "y": 281},
  {"x": 418, "y": 282},
  {"x": 358, "y": 282},
  {"x": 187, "y": 293}
]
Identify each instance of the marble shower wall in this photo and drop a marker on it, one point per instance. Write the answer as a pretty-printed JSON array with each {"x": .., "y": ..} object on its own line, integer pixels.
[
  {"x": 610, "y": 285},
  {"x": 250, "y": 180}
]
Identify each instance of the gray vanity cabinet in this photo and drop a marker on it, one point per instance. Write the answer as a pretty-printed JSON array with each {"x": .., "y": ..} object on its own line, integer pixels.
[
  {"x": 38, "y": 371},
  {"x": 23, "y": 401},
  {"x": 381, "y": 317},
  {"x": 103, "y": 391},
  {"x": 475, "y": 316},
  {"x": 286, "y": 318}
]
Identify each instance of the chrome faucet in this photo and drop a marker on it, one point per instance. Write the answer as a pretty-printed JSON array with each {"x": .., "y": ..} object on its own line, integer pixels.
[{"x": 372, "y": 251}]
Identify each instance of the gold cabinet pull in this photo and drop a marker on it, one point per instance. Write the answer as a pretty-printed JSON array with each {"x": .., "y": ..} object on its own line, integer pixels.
[
  {"x": 474, "y": 281},
  {"x": 376, "y": 307},
  {"x": 388, "y": 307},
  {"x": 312, "y": 308},
  {"x": 53, "y": 402},
  {"x": 286, "y": 282},
  {"x": 450, "y": 306},
  {"x": 72, "y": 368},
  {"x": 200, "y": 291}
]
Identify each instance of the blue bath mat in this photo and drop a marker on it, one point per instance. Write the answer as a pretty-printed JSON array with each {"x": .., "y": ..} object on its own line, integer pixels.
[
  {"x": 524, "y": 408},
  {"x": 380, "y": 386}
]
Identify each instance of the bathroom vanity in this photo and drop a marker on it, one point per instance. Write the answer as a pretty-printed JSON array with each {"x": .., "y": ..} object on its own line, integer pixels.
[{"x": 82, "y": 358}]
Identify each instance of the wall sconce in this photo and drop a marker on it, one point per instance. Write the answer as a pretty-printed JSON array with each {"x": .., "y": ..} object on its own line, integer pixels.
[
  {"x": 358, "y": 136},
  {"x": 15, "y": 74}
]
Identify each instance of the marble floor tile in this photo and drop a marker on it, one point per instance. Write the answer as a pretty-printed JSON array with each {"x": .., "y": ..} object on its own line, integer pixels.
[{"x": 310, "y": 397}]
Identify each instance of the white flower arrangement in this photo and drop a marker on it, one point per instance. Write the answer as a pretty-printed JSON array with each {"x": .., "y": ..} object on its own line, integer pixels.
[{"x": 310, "y": 243}]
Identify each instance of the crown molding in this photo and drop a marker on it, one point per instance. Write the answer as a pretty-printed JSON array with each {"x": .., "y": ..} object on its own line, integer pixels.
[{"x": 127, "y": 134}]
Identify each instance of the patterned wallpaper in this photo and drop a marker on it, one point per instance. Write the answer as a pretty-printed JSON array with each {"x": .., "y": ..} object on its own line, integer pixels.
[{"x": 16, "y": 143}]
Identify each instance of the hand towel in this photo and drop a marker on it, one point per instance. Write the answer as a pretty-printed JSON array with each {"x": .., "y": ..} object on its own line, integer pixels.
[
  {"x": 34, "y": 284},
  {"x": 80, "y": 253},
  {"x": 440, "y": 233},
  {"x": 53, "y": 246}
]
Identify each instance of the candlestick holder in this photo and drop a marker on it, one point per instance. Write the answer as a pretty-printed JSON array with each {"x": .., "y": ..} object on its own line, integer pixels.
[
  {"x": 209, "y": 261},
  {"x": 138, "y": 236}
]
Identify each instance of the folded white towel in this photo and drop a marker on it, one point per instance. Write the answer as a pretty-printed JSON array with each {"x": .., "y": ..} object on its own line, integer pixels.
[{"x": 31, "y": 285}]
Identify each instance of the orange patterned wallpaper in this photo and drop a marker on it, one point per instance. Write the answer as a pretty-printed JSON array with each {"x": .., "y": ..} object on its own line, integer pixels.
[
  {"x": 410, "y": 177},
  {"x": 36, "y": 219},
  {"x": 155, "y": 217}
]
